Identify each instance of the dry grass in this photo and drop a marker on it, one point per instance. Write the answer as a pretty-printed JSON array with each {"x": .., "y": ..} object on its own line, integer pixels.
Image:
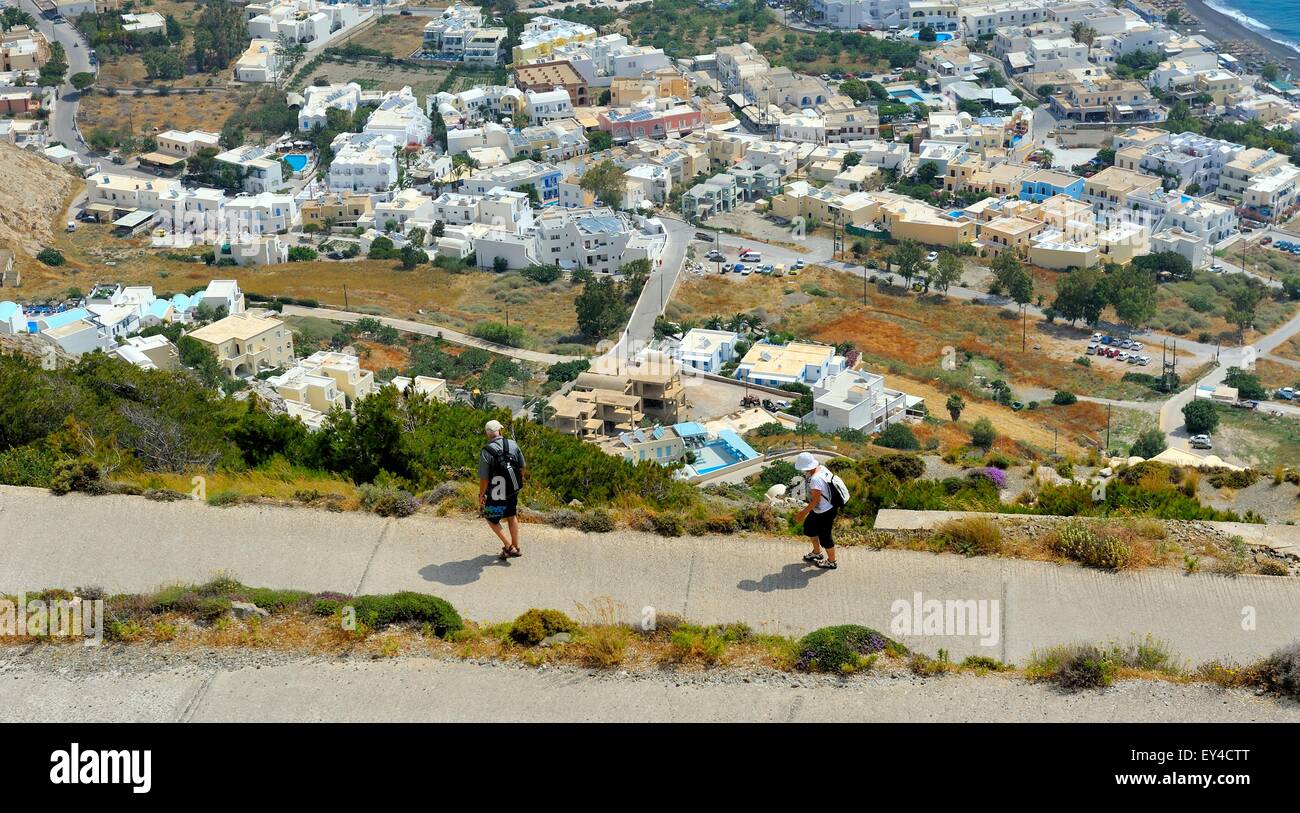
[
  {"x": 150, "y": 115},
  {"x": 380, "y": 287},
  {"x": 283, "y": 484},
  {"x": 394, "y": 34}
]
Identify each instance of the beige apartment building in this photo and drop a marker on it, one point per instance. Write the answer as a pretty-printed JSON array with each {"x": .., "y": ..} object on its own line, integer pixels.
[
  {"x": 1244, "y": 169},
  {"x": 246, "y": 344},
  {"x": 339, "y": 208}
]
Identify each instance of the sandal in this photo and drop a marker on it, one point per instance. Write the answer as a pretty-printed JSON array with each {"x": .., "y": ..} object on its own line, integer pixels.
[
  {"x": 504, "y": 554},
  {"x": 812, "y": 557},
  {"x": 827, "y": 565},
  {"x": 514, "y": 552}
]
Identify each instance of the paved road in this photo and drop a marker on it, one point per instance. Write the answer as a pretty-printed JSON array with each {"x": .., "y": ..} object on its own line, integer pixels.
[
  {"x": 656, "y": 294},
  {"x": 63, "y": 121},
  {"x": 454, "y": 336},
  {"x": 132, "y": 544},
  {"x": 76, "y": 684}
]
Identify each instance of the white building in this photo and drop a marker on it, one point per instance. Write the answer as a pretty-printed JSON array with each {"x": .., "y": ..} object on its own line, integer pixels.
[
  {"x": 706, "y": 350},
  {"x": 400, "y": 118},
  {"x": 854, "y": 399},
  {"x": 261, "y": 169},
  {"x": 319, "y": 100},
  {"x": 363, "y": 162}
]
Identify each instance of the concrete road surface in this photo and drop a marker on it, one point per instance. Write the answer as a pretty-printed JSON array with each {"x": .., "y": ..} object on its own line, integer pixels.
[
  {"x": 76, "y": 684},
  {"x": 132, "y": 544}
]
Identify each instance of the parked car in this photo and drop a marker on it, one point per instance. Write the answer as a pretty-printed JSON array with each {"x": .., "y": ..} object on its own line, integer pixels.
[
  {"x": 1201, "y": 442},
  {"x": 1106, "y": 340},
  {"x": 1265, "y": 240},
  {"x": 1286, "y": 393},
  {"x": 1217, "y": 268},
  {"x": 1144, "y": 361},
  {"x": 699, "y": 235},
  {"x": 932, "y": 256},
  {"x": 1092, "y": 350},
  {"x": 799, "y": 263},
  {"x": 715, "y": 256}
]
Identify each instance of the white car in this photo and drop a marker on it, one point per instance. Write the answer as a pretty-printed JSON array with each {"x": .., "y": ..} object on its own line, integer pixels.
[{"x": 932, "y": 256}]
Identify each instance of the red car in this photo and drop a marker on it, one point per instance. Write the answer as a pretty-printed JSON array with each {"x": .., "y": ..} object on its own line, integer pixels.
[{"x": 1265, "y": 240}]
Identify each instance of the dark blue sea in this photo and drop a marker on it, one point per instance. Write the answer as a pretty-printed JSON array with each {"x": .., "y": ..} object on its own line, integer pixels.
[{"x": 1279, "y": 20}]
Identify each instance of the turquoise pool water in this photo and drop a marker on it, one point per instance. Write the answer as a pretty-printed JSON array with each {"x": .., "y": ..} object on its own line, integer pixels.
[
  {"x": 906, "y": 94},
  {"x": 938, "y": 37},
  {"x": 296, "y": 160}
]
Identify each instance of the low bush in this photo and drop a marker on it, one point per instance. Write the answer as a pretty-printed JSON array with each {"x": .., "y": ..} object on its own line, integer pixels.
[
  {"x": 839, "y": 648},
  {"x": 1230, "y": 478},
  {"x": 596, "y": 521},
  {"x": 1064, "y": 398},
  {"x": 904, "y": 467},
  {"x": 393, "y": 608},
  {"x": 924, "y": 666},
  {"x": 535, "y": 626},
  {"x": 666, "y": 524},
  {"x": 1086, "y": 545},
  {"x": 972, "y": 536},
  {"x": 563, "y": 518},
  {"x": 1073, "y": 668},
  {"x": 1280, "y": 672},
  {"x": 759, "y": 516},
  {"x": 80, "y": 474},
  {"x": 700, "y": 644},
  {"x": 898, "y": 436},
  {"x": 386, "y": 501}
]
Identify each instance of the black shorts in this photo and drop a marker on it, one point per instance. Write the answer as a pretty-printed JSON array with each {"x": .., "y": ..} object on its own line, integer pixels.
[
  {"x": 821, "y": 526},
  {"x": 496, "y": 510}
]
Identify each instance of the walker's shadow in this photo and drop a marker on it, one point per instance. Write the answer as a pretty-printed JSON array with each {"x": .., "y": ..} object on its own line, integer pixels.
[
  {"x": 794, "y": 576},
  {"x": 458, "y": 573}
]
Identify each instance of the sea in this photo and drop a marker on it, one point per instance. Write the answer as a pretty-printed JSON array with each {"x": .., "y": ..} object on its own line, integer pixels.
[{"x": 1275, "y": 19}]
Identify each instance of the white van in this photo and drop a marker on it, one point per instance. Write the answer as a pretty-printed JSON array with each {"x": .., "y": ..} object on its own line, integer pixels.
[{"x": 751, "y": 256}]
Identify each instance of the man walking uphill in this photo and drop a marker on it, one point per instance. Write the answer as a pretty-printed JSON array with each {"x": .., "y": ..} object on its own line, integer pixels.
[{"x": 500, "y": 478}]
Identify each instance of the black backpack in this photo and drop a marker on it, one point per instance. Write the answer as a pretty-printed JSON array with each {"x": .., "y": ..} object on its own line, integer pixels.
[{"x": 505, "y": 464}]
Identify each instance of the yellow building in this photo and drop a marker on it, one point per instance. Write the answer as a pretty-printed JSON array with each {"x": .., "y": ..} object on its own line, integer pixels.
[
  {"x": 341, "y": 208},
  {"x": 910, "y": 219},
  {"x": 245, "y": 344},
  {"x": 1013, "y": 234},
  {"x": 542, "y": 35}
]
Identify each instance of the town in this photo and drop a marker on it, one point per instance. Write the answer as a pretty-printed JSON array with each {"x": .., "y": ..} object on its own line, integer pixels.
[{"x": 1023, "y": 276}]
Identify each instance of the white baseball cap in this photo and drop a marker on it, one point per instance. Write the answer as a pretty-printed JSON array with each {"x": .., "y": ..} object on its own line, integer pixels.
[
  {"x": 493, "y": 426},
  {"x": 805, "y": 462}
]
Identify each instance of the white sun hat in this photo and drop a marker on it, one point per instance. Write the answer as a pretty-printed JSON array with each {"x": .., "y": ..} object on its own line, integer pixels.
[{"x": 805, "y": 462}]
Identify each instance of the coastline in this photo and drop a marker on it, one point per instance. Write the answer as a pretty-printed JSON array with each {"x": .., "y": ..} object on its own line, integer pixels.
[{"x": 1221, "y": 28}]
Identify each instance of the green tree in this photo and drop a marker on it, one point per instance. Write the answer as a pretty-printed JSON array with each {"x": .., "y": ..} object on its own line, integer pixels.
[
  {"x": 1148, "y": 444},
  {"x": 605, "y": 180},
  {"x": 947, "y": 272},
  {"x": 82, "y": 80},
  {"x": 983, "y": 435},
  {"x": 1200, "y": 417},
  {"x": 1080, "y": 294},
  {"x": 600, "y": 309},
  {"x": 955, "y": 405},
  {"x": 1132, "y": 292},
  {"x": 909, "y": 259}
]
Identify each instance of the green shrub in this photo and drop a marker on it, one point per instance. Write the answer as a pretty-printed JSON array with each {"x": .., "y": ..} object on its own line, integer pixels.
[
  {"x": 386, "y": 501},
  {"x": 972, "y": 536},
  {"x": 898, "y": 436},
  {"x": 666, "y": 524},
  {"x": 596, "y": 521},
  {"x": 983, "y": 663},
  {"x": 80, "y": 474},
  {"x": 30, "y": 465},
  {"x": 903, "y": 467},
  {"x": 224, "y": 498},
  {"x": 759, "y": 516},
  {"x": 691, "y": 643},
  {"x": 1230, "y": 478},
  {"x": 535, "y": 625},
  {"x": 1064, "y": 398},
  {"x": 1074, "y": 668},
  {"x": 1081, "y": 542},
  {"x": 1280, "y": 672},
  {"x": 839, "y": 648},
  {"x": 394, "y": 608}
]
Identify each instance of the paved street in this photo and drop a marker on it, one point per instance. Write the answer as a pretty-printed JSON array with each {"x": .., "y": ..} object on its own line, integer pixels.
[{"x": 133, "y": 544}]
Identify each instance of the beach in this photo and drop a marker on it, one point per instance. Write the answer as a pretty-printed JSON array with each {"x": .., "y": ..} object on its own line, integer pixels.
[{"x": 1221, "y": 28}]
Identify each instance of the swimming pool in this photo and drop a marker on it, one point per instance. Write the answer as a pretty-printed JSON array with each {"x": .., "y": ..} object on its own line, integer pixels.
[
  {"x": 939, "y": 36},
  {"x": 908, "y": 95},
  {"x": 297, "y": 161}
]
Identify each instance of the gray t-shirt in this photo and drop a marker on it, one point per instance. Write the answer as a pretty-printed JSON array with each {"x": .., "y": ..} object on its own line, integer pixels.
[{"x": 485, "y": 457}]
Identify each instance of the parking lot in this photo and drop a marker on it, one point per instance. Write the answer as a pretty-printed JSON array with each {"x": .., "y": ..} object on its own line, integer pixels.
[{"x": 1118, "y": 349}]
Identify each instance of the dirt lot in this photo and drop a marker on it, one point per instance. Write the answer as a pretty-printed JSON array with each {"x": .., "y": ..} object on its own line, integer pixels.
[
  {"x": 393, "y": 34},
  {"x": 373, "y": 286},
  {"x": 910, "y": 333},
  {"x": 149, "y": 115},
  {"x": 375, "y": 76},
  {"x": 1257, "y": 439},
  {"x": 128, "y": 69}
]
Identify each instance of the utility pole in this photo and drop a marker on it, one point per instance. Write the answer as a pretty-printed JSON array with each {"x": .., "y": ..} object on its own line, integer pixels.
[
  {"x": 345, "y": 296},
  {"x": 1108, "y": 429},
  {"x": 1024, "y": 326}
]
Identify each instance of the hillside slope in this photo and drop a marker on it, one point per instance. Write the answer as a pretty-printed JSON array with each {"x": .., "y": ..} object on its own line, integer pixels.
[{"x": 32, "y": 192}]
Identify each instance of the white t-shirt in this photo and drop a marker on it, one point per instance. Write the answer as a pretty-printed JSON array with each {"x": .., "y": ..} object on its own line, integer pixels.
[{"x": 820, "y": 481}]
